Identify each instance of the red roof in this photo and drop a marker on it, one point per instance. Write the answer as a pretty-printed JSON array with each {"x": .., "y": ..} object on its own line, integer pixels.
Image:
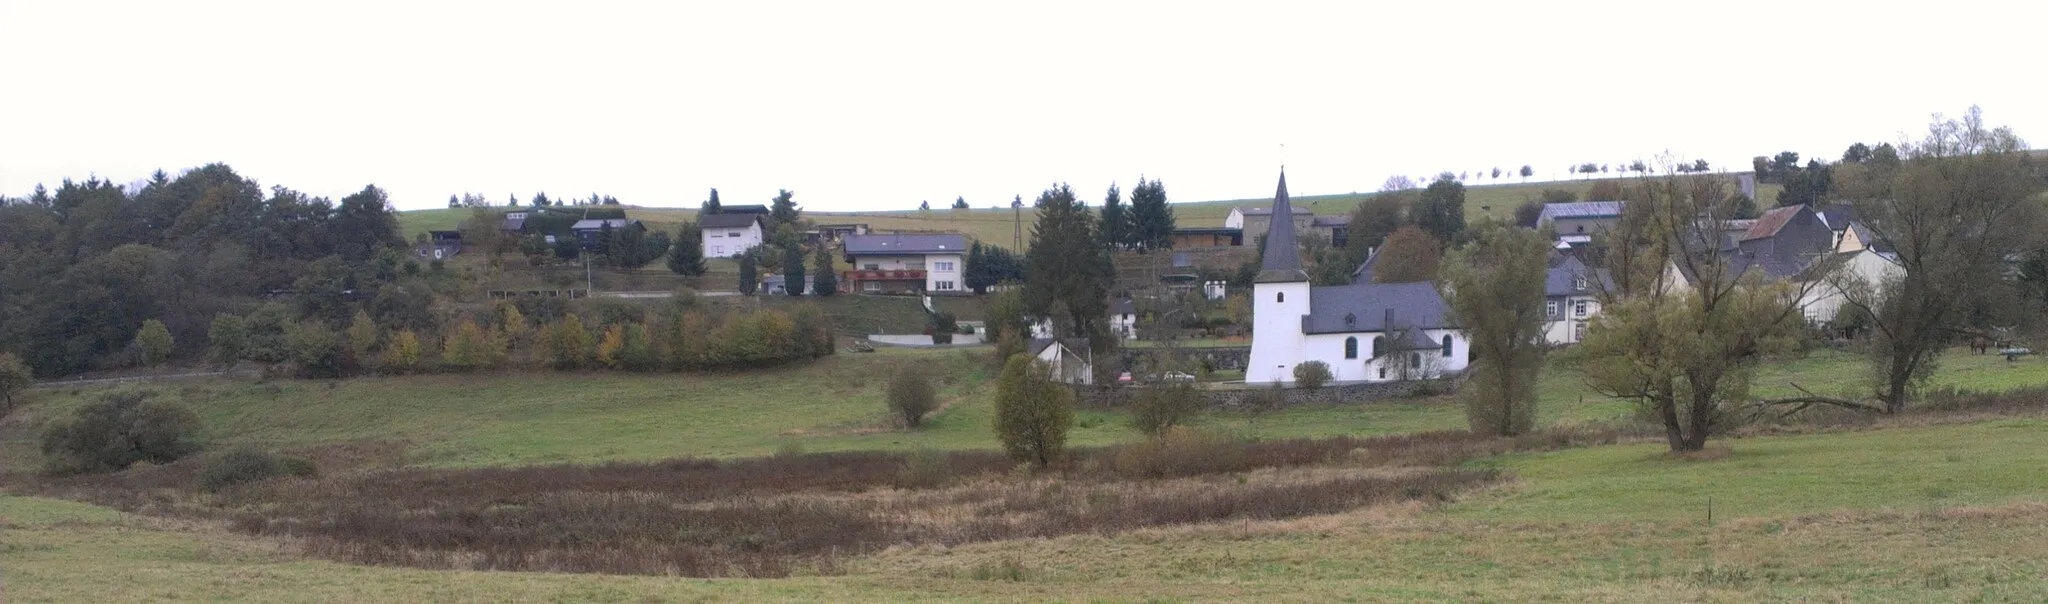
[{"x": 1768, "y": 224}]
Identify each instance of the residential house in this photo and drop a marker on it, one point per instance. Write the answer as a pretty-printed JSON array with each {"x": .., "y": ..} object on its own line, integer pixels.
[
  {"x": 1579, "y": 220},
  {"x": 1364, "y": 332},
  {"x": 515, "y": 223},
  {"x": 588, "y": 230},
  {"x": 1252, "y": 222},
  {"x": 1571, "y": 297},
  {"x": 745, "y": 208},
  {"x": 1337, "y": 228},
  {"x": 776, "y": 285},
  {"x": 1123, "y": 321},
  {"x": 441, "y": 244},
  {"x": 1198, "y": 237},
  {"x": 1070, "y": 360},
  {"x": 729, "y": 235},
  {"x": 898, "y": 263},
  {"x": 1795, "y": 244},
  {"x": 836, "y": 232}
]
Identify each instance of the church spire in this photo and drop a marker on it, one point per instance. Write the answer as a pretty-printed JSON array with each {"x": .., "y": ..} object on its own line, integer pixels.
[{"x": 1282, "y": 255}]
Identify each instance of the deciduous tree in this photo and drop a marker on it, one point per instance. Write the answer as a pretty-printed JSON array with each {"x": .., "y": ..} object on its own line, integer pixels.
[
  {"x": 1033, "y": 412},
  {"x": 1495, "y": 286},
  {"x": 1440, "y": 210},
  {"x": 1409, "y": 255},
  {"x": 154, "y": 343}
]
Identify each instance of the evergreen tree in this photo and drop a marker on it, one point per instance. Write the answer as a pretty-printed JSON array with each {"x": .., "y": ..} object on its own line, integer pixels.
[
  {"x": 686, "y": 256},
  {"x": 540, "y": 200},
  {"x": 749, "y": 266},
  {"x": 960, "y": 203},
  {"x": 793, "y": 270},
  {"x": 1069, "y": 270},
  {"x": 711, "y": 206},
  {"x": 827, "y": 281},
  {"x": 1151, "y": 219},
  {"x": 603, "y": 247},
  {"x": 1116, "y": 220},
  {"x": 783, "y": 211}
]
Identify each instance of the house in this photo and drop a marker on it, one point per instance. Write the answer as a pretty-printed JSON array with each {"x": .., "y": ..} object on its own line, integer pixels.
[
  {"x": 441, "y": 244},
  {"x": 515, "y": 222},
  {"x": 1795, "y": 244},
  {"x": 729, "y": 235},
  {"x": 1863, "y": 268},
  {"x": 1070, "y": 359},
  {"x": 836, "y": 232},
  {"x": 1580, "y": 218},
  {"x": 1253, "y": 222},
  {"x": 1364, "y": 332},
  {"x": 1196, "y": 237},
  {"x": 1123, "y": 321},
  {"x": 1571, "y": 297},
  {"x": 776, "y": 285},
  {"x": 588, "y": 230},
  {"x": 1784, "y": 242},
  {"x": 745, "y": 208},
  {"x": 898, "y": 263}
]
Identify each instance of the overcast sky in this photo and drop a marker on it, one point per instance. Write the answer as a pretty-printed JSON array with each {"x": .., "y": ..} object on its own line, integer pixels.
[{"x": 878, "y": 105}]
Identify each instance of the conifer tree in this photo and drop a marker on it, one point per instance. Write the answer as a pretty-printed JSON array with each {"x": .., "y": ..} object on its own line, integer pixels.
[
  {"x": 826, "y": 282},
  {"x": 686, "y": 256},
  {"x": 711, "y": 206}
]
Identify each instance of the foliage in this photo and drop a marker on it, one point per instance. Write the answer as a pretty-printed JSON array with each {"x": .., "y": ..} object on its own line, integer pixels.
[
  {"x": 15, "y": 378},
  {"x": 1033, "y": 412},
  {"x": 1069, "y": 273},
  {"x": 783, "y": 210},
  {"x": 1116, "y": 225},
  {"x": 750, "y": 278},
  {"x": 826, "y": 282},
  {"x": 1440, "y": 210},
  {"x": 1158, "y": 408},
  {"x": 402, "y": 355},
  {"x": 1371, "y": 222},
  {"x": 686, "y": 256},
  {"x": 1495, "y": 286},
  {"x": 1006, "y": 310},
  {"x": 1528, "y": 214},
  {"x": 227, "y": 338},
  {"x": 1152, "y": 222},
  {"x": 468, "y": 348},
  {"x": 608, "y": 347},
  {"x": 362, "y": 336},
  {"x": 989, "y": 265},
  {"x": 154, "y": 343},
  {"x": 242, "y": 465},
  {"x": 1009, "y": 342},
  {"x": 943, "y": 326},
  {"x": 1605, "y": 190},
  {"x": 1964, "y": 199},
  {"x": 1312, "y": 374},
  {"x": 911, "y": 395},
  {"x": 1410, "y": 254},
  {"x": 117, "y": 431},
  {"x": 711, "y": 205},
  {"x": 317, "y": 350},
  {"x": 793, "y": 270}
]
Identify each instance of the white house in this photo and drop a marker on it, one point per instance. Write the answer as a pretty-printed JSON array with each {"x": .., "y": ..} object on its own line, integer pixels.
[
  {"x": 1866, "y": 268},
  {"x": 1123, "y": 321},
  {"x": 1570, "y": 299},
  {"x": 1070, "y": 360},
  {"x": 728, "y": 235},
  {"x": 897, "y": 263},
  {"x": 1365, "y": 332}
]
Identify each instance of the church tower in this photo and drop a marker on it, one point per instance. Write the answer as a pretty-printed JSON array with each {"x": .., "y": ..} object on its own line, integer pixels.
[{"x": 1280, "y": 298}]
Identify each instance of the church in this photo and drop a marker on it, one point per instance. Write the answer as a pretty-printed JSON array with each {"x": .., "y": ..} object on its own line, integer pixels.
[{"x": 1364, "y": 331}]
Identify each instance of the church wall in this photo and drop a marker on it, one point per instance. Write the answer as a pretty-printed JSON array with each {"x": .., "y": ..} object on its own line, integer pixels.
[{"x": 1276, "y": 331}]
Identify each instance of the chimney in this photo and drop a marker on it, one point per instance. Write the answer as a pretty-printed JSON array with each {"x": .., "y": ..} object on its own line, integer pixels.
[{"x": 1388, "y": 326}]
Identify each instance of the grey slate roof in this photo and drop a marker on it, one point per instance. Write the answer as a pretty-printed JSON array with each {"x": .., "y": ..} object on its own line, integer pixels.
[
  {"x": 749, "y": 208},
  {"x": 1038, "y": 345},
  {"x": 1562, "y": 279},
  {"x": 1838, "y": 216},
  {"x": 1580, "y": 209},
  {"x": 1122, "y": 306},
  {"x": 887, "y": 244},
  {"x": 595, "y": 224},
  {"x": 1415, "y": 305},
  {"x": 1282, "y": 262},
  {"x": 1330, "y": 221},
  {"x": 727, "y": 221}
]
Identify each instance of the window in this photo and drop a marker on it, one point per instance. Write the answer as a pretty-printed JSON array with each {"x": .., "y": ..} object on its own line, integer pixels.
[
  {"x": 1350, "y": 348},
  {"x": 1550, "y": 308},
  {"x": 1579, "y": 308},
  {"x": 942, "y": 266},
  {"x": 1447, "y": 345},
  {"x": 1383, "y": 371},
  {"x": 871, "y": 266},
  {"x": 1579, "y": 331},
  {"x": 1280, "y": 297},
  {"x": 942, "y": 285},
  {"x": 1579, "y": 283},
  {"x": 718, "y": 250},
  {"x": 1415, "y": 360},
  {"x": 871, "y": 286},
  {"x": 1376, "y": 342},
  {"x": 732, "y": 233}
]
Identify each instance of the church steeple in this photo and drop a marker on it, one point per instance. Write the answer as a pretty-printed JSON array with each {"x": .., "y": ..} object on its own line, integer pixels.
[{"x": 1282, "y": 255}]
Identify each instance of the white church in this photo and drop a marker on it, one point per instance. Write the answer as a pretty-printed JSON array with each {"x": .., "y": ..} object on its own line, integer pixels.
[{"x": 1365, "y": 332}]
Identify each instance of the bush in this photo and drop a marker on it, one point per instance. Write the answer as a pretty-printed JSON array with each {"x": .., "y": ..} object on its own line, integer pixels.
[
  {"x": 1159, "y": 408},
  {"x": 911, "y": 395},
  {"x": 316, "y": 349},
  {"x": 243, "y": 465},
  {"x": 1180, "y": 451},
  {"x": 154, "y": 340},
  {"x": 15, "y": 377},
  {"x": 119, "y": 430},
  {"x": 925, "y": 469},
  {"x": 1033, "y": 412},
  {"x": 229, "y": 337},
  {"x": 402, "y": 355},
  {"x": 943, "y": 327},
  {"x": 1312, "y": 374}
]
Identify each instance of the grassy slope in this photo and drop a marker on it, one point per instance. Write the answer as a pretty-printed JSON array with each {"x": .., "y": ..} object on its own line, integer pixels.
[{"x": 1904, "y": 514}]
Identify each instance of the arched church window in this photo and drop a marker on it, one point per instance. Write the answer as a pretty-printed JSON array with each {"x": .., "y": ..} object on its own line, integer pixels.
[
  {"x": 1351, "y": 348},
  {"x": 1280, "y": 296},
  {"x": 1376, "y": 342},
  {"x": 1447, "y": 345}
]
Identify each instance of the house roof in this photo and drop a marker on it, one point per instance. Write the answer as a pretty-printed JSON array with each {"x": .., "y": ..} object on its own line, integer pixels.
[
  {"x": 515, "y": 223},
  {"x": 1122, "y": 306},
  {"x": 1258, "y": 211},
  {"x": 749, "y": 208},
  {"x": 894, "y": 243},
  {"x": 1364, "y": 307},
  {"x": 1562, "y": 279},
  {"x": 1580, "y": 209},
  {"x": 1038, "y": 345},
  {"x": 1330, "y": 221},
  {"x": 727, "y": 221},
  {"x": 1838, "y": 216},
  {"x": 596, "y": 224},
  {"x": 1771, "y": 222},
  {"x": 1363, "y": 274},
  {"x": 1282, "y": 256}
]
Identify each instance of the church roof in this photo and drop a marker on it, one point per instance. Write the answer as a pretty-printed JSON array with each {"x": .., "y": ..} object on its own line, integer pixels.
[
  {"x": 1282, "y": 262},
  {"x": 1370, "y": 306}
]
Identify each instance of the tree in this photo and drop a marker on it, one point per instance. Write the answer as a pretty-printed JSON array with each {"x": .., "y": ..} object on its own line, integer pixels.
[
  {"x": 1700, "y": 165},
  {"x": 228, "y": 338},
  {"x": 911, "y": 395},
  {"x": 466, "y": 348},
  {"x": 1312, "y": 374},
  {"x": 1496, "y": 173},
  {"x": 1409, "y": 255},
  {"x": 154, "y": 343},
  {"x": 750, "y": 280},
  {"x": 1529, "y": 213},
  {"x": 989, "y": 265},
  {"x": 1962, "y": 201},
  {"x": 1495, "y": 286},
  {"x": 402, "y": 355},
  {"x": 711, "y": 205},
  {"x": 924, "y": 206},
  {"x": 1440, "y": 211},
  {"x": 609, "y": 346},
  {"x": 1371, "y": 222},
  {"x": 1067, "y": 268},
  {"x": 1151, "y": 218},
  {"x": 1033, "y": 412},
  {"x": 564, "y": 344},
  {"x": 1605, "y": 190},
  {"x": 362, "y": 335},
  {"x": 1684, "y": 352},
  {"x": 1806, "y": 186},
  {"x": 827, "y": 281},
  {"x": 793, "y": 270},
  {"x": 783, "y": 210},
  {"x": 1527, "y": 171},
  {"x": 119, "y": 430},
  {"x": 566, "y": 247},
  {"x": 15, "y": 378},
  {"x": 686, "y": 256},
  {"x": 960, "y": 203},
  {"x": 1116, "y": 221},
  {"x": 1159, "y": 408}
]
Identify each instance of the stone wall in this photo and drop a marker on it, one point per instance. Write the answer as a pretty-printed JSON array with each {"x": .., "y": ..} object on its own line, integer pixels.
[
  {"x": 1228, "y": 357},
  {"x": 1243, "y": 398}
]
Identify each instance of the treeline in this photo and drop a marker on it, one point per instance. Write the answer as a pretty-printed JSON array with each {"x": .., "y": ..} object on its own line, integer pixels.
[
  {"x": 83, "y": 266},
  {"x": 617, "y": 335}
]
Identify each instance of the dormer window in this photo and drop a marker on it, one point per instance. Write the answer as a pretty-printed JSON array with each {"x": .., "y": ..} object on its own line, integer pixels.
[
  {"x": 1579, "y": 283},
  {"x": 1350, "y": 320}
]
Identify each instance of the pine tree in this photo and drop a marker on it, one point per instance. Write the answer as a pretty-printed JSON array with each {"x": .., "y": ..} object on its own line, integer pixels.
[
  {"x": 1151, "y": 219},
  {"x": 686, "y": 256},
  {"x": 793, "y": 270},
  {"x": 711, "y": 206},
  {"x": 826, "y": 282},
  {"x": 1116, "y": 220},
  {"x": 749, "y": 269},
  {"x": 783, "y": 210},
  {"x": 960, "y": 203},
  {"x": 1069, "y": 269}
]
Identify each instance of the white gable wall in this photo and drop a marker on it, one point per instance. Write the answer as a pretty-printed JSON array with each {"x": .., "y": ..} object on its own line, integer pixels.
[
  {"x": 729, "y": 243},
  {"x": 1277, "y": 341},
  {"x": 1329, "y": 348}
]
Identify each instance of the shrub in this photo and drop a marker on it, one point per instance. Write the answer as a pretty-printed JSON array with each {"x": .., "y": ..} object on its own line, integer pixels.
[
  {"x": 1033, "y": 412},
  {"x": 1180, "y": 451},
  {"x": 1157, "y": 409},
  {"x": 636, "y": 348},
  {"x": 564, "y": 344},
  {"x": 943, "y": 327},
  {"x": 911, "y": 395},
  {"x": 154, "y": 342},
  {"x": 1008, "y": 344},
  {"x": 1312, "y": 374},
  {"x": 925, "y": 469},
  {"x": 362, "y": 336},
  {"x": 15, "y": 377},
  {"x": 467, "y": 348},
  {"x": 608, "y": 347},
  {"x": 243, "y": 465},
  {"x": 228, "y": 337},
  {"x": 402, "y": 355},
  {"x": 316, "y": 349},
  {"x": 117, "y": 431}
]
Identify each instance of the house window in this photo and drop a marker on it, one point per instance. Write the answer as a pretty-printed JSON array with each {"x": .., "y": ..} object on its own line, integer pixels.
[
  {"x": 942, "y": 285},
  {"x": 1447, "y": 346},
  {"x": 1376, "y": 341},
  {"x": 942, "y": 266},
  {"x": 1383, "y": 371},
  {"x": 1280, "y": 297},
  {"x": 1550, "y": 308},
  {"x": 718, "y": 250},
  {"x": 1415, "y": 360},
  {"x": 1579, "y": 331},
  {"x": 1350, "y": 348},
  {"x": 1579, "y": 308},
  {"x": 1579, "y": 283},
  {"x": 732, "y": 233},
  {"x": 871, "y": 286}
]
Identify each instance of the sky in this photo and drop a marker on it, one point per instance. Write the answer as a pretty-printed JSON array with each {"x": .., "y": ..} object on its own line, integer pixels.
[{"x": 881, "y": 105}]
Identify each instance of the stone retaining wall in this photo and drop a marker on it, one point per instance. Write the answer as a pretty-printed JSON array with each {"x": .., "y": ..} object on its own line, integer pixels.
[{"x": 1243, "y": 398}]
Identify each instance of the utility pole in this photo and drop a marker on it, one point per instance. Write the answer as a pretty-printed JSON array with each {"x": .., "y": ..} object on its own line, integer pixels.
[{"x": 1017, "y": 224}]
